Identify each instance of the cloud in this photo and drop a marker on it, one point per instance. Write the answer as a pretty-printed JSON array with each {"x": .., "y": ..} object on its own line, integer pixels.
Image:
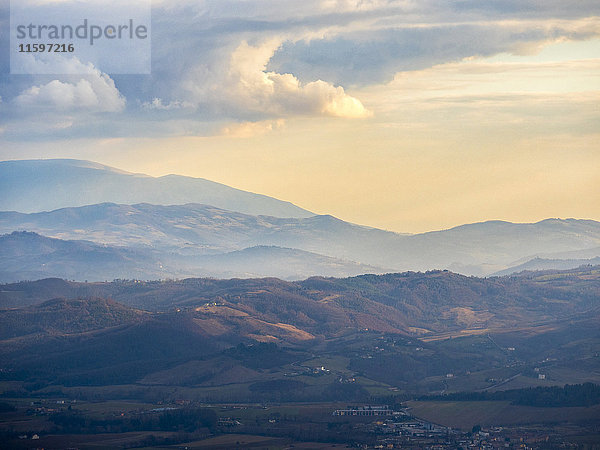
[
  {"x": 53, "y": 63},
  {"x": 251, "y": 129},
  {"x": 258, "y": 60},
  {"x": 98, "y": 95},
  {"x": 492, "y": 95},
  {"x": 157, "y": 104},
  {"x": 373, "y": 53},
  {"x": 479, "y": 77},
  {"x": 243, "y": 85},
  {"x": 93, "y": 92}
]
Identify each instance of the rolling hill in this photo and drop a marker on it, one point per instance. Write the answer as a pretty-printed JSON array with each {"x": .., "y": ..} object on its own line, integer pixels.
[
  {"x": 321, "y": 338},
  {"x": 438, "y": 301}
]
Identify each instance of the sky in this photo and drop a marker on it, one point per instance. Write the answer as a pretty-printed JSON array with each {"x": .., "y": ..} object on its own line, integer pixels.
[{"x": 404, "y": 115}]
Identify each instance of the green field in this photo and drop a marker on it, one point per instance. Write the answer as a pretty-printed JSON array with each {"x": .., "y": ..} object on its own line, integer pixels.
[
  {"x": 90, "y": 441},
  {"x": 465, "y": 415},
  {"x": 230, "y": 441}
]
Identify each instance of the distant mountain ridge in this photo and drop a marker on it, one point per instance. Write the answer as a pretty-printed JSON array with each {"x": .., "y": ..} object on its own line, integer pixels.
[
  {"x": 546, "y": 264},
  {"x": 30, "y": 256},
  {"x": 177, "y": 227},
  {"x": 196, "y": 231},
  {"x": 49, "y": 184}
]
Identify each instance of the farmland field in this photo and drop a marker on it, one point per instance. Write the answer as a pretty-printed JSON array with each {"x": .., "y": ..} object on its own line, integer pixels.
[{"x": 465, "y": 415}]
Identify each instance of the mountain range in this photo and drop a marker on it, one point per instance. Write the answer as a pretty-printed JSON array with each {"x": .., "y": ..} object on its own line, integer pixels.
[
  {"x": 198, "y": 240},
  {"x": 235, "y": 233},
  {"x": 188, "y": 317},
  {"x": 30, "y": 256},
  {"x": 48, "y": 184}
]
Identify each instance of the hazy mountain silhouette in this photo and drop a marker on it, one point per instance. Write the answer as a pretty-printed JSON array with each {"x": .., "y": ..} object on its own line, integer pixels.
[
  {"x": 45, "y": 185},
  {"x": 198, "y": 230},
  {"x": 194, "y": 227},
  {"x": 545, "y": 264},
  {"x": 30, "y": 256}
]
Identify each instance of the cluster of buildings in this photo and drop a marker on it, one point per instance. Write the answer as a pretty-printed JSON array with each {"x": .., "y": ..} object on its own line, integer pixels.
[
  {"x": 365, "y": 411},
  {"x": 417, "y": 434},
  {"x": 398, "y": 429}
]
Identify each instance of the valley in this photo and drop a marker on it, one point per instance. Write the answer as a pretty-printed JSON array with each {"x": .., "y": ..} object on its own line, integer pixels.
[{"x": 175, "y": 312}]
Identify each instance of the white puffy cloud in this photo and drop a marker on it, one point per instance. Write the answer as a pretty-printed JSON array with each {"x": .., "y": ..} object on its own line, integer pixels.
[
  {"x": 257, "y": 60},
  {"x": 243, "y": 85},
  {"x": 94, "y": 92}
]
